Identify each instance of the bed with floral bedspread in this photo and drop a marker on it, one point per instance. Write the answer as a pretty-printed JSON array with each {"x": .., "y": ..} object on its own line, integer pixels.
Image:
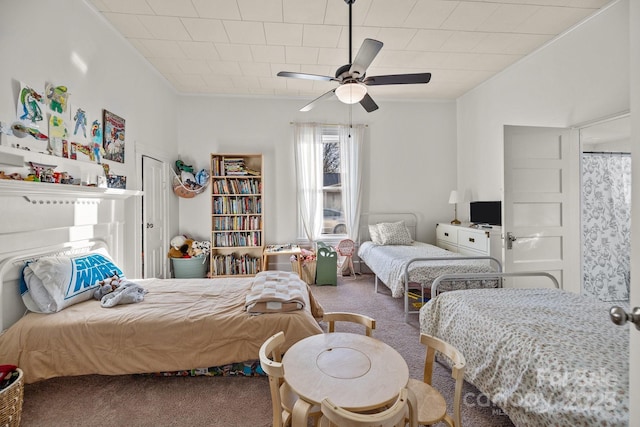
[{"x": 546, "y": 357}]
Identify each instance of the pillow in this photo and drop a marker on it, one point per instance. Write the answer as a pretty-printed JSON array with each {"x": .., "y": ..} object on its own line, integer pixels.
[
  {"x": 394, "y": 233},
  {"x": 374, "y": 233},
  {"x": 53, "y": 283}
]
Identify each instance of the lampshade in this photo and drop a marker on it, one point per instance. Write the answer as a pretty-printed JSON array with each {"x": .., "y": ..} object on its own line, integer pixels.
[
  {"x": 351, "y": 93},
  {"x": 453, "y": 197}
]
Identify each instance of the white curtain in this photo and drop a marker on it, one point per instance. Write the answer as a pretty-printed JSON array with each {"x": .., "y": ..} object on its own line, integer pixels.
[
  {"x": 606, "y": 225},
  {"x": 351, "y": 143},
  {"x": 309, "y": 175}
]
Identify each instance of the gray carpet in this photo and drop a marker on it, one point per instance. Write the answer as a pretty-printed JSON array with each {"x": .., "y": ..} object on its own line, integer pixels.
[{"x": 233, "y": 401}]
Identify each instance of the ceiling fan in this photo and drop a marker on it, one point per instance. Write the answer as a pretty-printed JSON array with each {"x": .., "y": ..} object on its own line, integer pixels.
[{"x": 352, "y": 76}]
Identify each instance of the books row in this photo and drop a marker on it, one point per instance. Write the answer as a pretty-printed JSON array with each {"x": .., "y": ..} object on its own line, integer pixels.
[
  {"x": 228, "y": 240},
  {"x": 235, "y": 186},
  {"x": 237, "y": 205},
  {"x": 233, "y": 264},
  {"x": 232, "y": 223}
]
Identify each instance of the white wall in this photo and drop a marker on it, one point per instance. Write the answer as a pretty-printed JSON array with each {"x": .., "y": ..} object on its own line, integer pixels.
[
  {"x": 409, "y": 156},
  {"x": 37, "y": 41},
  {"x": 581, "y": 76}
]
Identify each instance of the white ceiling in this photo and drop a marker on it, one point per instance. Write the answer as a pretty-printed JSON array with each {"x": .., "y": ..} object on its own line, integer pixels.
[{"x": 236, "y": 47}]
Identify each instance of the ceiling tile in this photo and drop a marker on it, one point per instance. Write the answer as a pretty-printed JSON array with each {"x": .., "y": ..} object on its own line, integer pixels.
[
  {"x": 430, "y": 14},
  {"x": 218, "y": 9},
  {"x": 396, "y": 38},
  {"x": 128, "y": 25},
  {"x": 388, "y": 13},
  {"x": 234, "y": 52},
  {"x": 225, "y": 68},
  {"x": 173, "y": 7},
  {"x": 194, "y": 66},
  {"x": 261, "y": 10},
  {"x": 510, "y": 43},
  {"x": 164, "y": 27},
  {"x": 206, "y": 29},
  {"x": 166, "y": 65},
  {"x": 463, "y": 41},
  {"x": 163, "y": 49},
  {"x": 199, "y": 50},
  {"x": 301, "y": 55},
  {"x": 507, "y": 18},
  {"x": 268, "y": 53},
  {"x": 242, "y": 32},
  {"x": 468, "y": 16},
  {"x": 321, "y": 35},
  {"x": 255, "y": 69},
  {"x": 553, "y": 20},
  {"x": 305, "y": 11},
  {"x": 283, "y": 34},
  {"x": 337, "y": 12},
  {"x": 430, "y": 40}
]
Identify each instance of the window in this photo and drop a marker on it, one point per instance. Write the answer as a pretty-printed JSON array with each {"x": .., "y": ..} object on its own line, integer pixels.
[
  {"x": 328, "y": 179},
  {"x": 333, "y": 221}
]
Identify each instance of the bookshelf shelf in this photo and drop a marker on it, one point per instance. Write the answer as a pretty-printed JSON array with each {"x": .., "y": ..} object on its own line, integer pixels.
[{"x": 237, "y": 226}]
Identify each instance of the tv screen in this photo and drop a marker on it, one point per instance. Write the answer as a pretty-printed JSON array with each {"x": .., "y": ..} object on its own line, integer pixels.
[{"x": 486, "y": 213}]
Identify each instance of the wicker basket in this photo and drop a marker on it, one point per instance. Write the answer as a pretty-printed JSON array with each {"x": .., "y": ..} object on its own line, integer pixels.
[{"x": 11, "y": 402}]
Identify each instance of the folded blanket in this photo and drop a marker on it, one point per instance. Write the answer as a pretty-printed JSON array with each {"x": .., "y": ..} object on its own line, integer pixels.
[
  {"x": 276, "y": 292},
  {"x": 127, "y": 293}
]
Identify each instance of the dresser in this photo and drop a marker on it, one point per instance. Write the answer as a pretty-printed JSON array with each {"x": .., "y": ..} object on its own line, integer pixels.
[{"x": 470, "y": 241}]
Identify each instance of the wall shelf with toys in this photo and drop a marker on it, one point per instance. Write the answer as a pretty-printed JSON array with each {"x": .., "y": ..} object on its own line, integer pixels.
[{"x": 43, "y": 192}]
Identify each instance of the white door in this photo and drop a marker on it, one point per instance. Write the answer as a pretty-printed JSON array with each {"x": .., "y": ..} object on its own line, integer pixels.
[
  {"x": 153, "y": 224},
  {"x": 541, "y": 225}
]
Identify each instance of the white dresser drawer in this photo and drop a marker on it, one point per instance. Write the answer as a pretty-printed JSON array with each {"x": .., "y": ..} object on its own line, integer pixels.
[
  {"x": 447, "y": 234},
  {"x": 476, "y": 240},
  {"x": 446, "y": 245}
]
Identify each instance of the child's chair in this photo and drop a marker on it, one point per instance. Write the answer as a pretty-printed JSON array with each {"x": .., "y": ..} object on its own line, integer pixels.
[{"x": 345, "y": 249}]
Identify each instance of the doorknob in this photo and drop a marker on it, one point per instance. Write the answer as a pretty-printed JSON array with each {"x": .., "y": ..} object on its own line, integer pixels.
[
  {"x": 620, "y": 317},
  {"x": 149, "y": 225},
  {"x": 510, "y": 239}
]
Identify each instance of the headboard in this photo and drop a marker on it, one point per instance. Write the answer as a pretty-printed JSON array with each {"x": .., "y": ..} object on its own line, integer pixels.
[
  {"x": 410, "y": 220},
  {"x": 29, "y": 246}
]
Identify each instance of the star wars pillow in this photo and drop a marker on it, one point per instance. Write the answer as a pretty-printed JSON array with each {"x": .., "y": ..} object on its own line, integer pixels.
[{"x": 53, "y": 283}]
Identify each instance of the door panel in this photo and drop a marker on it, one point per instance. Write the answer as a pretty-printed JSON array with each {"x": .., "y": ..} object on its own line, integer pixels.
[
  {"x": 153, "y": 224},
  {"x": 537, "y": 167}
]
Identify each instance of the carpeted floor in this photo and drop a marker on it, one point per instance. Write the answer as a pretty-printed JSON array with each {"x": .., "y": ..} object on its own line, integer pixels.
[{"x": 131, "y": 400}]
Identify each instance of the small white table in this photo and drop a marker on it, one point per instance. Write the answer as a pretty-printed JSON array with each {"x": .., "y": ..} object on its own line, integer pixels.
[
  {"x": 273, "y": 250},
  {"x": 354, "y": 371}
]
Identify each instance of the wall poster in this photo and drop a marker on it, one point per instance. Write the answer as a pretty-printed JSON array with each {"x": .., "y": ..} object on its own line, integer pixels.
[{"x": 113, "y": 137}]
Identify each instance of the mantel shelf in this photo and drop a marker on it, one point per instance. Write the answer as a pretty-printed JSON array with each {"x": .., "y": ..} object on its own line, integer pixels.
[{"x": 35, "y": 190}]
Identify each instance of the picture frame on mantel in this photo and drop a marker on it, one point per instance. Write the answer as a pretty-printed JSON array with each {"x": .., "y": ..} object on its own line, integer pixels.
[{"x": 113, "y": 136}]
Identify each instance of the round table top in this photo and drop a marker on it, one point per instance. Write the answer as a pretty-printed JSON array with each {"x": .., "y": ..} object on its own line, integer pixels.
[{"x": 354, "y": 371}]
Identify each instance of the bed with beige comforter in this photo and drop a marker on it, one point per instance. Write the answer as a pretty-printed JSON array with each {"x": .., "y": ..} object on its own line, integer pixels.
[{"x": 180, "y": 324}]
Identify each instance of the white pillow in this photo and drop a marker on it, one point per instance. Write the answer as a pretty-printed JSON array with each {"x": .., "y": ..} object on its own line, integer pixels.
[
  {"x": 53, "y": 283},
  {"x": 394, "y": 233},
  {"x": 374, "y": 234}
]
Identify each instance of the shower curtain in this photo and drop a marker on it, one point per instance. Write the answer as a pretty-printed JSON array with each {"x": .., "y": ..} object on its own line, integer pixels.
[{"x": 606, "y": 225}]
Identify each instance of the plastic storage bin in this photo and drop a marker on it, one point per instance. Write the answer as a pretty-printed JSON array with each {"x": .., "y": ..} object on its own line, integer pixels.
[{"x": 188, "y": 268}]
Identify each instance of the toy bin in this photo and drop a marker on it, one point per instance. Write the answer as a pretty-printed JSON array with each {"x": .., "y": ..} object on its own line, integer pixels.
[
  {"x": 11, "y": 401},
  {"x": 188, "y": 268}
]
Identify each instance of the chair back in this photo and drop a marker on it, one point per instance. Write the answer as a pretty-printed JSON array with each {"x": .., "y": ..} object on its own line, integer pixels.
[
  {"x": 332, "y": 317},
  {"x": 403, "y": 412},
  {"x": 346, "y": 247},
  {"x": 270, "y": 361},
  {"x": 435, "y": 345}
]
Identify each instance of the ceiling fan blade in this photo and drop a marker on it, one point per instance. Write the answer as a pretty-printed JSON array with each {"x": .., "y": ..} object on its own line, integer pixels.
[
  {"x": 365, "y": 56},
  {"x": 397, "y": 79},
  {"x": 304, "y": 76},
  {"x": 313, "y": 103},
  {"x": 368, "y": 103}
]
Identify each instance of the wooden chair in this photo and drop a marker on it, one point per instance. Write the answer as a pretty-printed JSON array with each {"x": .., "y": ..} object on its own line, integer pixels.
[
  {"x": 431, "y": 404},
  {"x": 282, "y": 397},
  {"x": 403, "y": 412},
  {"x": 346, "y": 249},
  {"x": 332, "y": 317}
]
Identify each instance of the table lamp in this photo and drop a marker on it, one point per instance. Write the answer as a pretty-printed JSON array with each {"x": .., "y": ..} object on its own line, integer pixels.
[{"x": 454, "y": 200}]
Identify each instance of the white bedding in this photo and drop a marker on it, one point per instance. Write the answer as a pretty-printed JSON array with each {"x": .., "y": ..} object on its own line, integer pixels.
[
  {"x": 388, "y": 263},
  {"x": 547, "y": 357}
]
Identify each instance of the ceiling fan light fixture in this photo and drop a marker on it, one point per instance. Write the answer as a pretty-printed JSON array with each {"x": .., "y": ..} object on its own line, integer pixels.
[{"x": 351, "y": 93}]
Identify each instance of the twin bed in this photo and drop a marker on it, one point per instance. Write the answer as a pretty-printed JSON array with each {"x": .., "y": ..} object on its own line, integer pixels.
[
  {"x": 545, "y": 356},
  {"x": 389, "y": 249},
  {"x": 181, "y": 324}
]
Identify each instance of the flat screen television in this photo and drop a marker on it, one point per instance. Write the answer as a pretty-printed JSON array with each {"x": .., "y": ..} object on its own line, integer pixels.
[{"x": 486, "y": 213}]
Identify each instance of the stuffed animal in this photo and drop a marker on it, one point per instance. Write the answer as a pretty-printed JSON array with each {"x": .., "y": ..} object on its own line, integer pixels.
[
  {"x": 200, "y": 248},
  {"x": 181, "y": 247},
  {"x": 106, "y": 286}
]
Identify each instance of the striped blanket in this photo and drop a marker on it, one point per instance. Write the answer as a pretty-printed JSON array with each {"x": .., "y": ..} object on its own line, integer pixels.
[{"x": 276, "y": 292}]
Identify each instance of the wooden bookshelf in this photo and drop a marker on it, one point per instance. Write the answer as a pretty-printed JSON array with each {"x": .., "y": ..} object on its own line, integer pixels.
[{"x": 237, "y": 225}]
